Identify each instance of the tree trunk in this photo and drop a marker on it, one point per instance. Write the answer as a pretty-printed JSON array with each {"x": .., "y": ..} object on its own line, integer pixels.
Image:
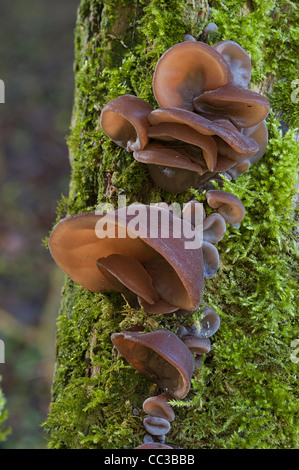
[{"x": 242, "y": 395}]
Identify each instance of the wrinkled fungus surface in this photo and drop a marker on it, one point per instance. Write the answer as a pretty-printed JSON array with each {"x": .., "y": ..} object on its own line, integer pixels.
[{"x": 208, "y": 122}]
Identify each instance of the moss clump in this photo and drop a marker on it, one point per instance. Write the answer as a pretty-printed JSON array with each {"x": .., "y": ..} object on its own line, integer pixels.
[
  {"x": 3, "y": 417},
  {"x": 244, "y": 395}
]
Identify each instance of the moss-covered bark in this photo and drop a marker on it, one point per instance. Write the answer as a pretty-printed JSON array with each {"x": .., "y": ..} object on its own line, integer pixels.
[{"x": 244, "y": 395}]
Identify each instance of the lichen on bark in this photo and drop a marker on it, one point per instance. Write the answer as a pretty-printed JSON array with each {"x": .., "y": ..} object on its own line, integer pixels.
[{"x": 244, "y": 394}]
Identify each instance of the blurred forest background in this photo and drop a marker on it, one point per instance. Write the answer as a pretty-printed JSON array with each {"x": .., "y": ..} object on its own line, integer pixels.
[{"x": 36, "y": 65}]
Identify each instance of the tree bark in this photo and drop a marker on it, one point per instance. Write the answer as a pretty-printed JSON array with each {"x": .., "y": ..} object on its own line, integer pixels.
[{"x": 97, "y": 396}]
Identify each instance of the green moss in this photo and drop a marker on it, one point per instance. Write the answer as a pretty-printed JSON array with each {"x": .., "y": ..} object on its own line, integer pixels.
[
  {"x": 244, "y": 395},
  {"x": 3, "y": 417}
]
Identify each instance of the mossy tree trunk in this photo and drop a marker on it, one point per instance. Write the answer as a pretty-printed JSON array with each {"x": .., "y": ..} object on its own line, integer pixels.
[{"x": 242, "y": 395}]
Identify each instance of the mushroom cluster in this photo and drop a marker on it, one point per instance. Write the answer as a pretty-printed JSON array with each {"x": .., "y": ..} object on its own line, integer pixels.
[
  {"x": 104, "y": 252},
  {"x": 166, "y": 359},
  {"x": 207, "y": 123}
]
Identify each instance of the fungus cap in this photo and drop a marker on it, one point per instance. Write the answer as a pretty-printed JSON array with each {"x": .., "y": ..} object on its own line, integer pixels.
[
  {"x": 186, "y": 70},
  {"x": 214, "y": 228},
  {"x": 211, "y": 259},
  {"x": 197, "y": 345},
  {"x": 260, "y": 134},
  {"x": 238, "y": 60},
  {"x": 228, "y": 205},
  {"x": 158, "y": 406},
  {"x": 124, "y": 120},
  {"x": 156, "y": 426},
  {"x": 209, "y": 324},
  {"x": 76, "y": 247},
  {"x": 160, "y": 356},
  {"x": 172, "y": 132},
  {"x": 243, "y": 107}
]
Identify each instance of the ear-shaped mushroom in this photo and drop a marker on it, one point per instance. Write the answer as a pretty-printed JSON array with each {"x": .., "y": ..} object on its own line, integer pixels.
[
  {"x": 243, "y": 107},
  {"x": 158, "y": 154},
  {"x": 186, "y": 70},
  {"x": 216, "y": 127},
  {"x": 104, "y": 252},
  {"x": 156, "y": 426},
  {"x": 214, "y": 228},
  {"x": 160, "y": 356},
  {"x": 211, "y": 259},
  {"x": 131, "y": 274},
  {"x": 209, "y": 324},
  {"x": 124, "y": 120},
  {"x": 238, "y": 169},
  {"x": 172, "y": 132},
  {"x": 228, "y": 205},
  {"x": 159, "y": 406},
  {"x": 238, "y": 60},
  {"x": 196, "y": 345},
  {"x": 260, "y": 134}
]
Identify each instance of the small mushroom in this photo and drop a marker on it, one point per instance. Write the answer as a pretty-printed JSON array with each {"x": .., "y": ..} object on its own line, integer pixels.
[
  {"x": 159, "y": 406},
  {"x": 209, "y": 324},
  {"x": 238, "y": 169},
  {"x": 238, "y": 60},
  {"x": 197, "y": 345},
  {"x": 185, "y": 71},
  {"x": 161, "y": 356},
  {"x": 211, "y": 259},
  {"x": 228, "y": 205},
  {"x": 156, "y": 426},
  {"x": 260, "y": 134},
  {"x": 214, "y": 228},
  {"x": 189, "y": 149},
  {"x": 103, "y": 252},
  {"x": 243, "y": 107},
  {"x": 124, "y": 120}
]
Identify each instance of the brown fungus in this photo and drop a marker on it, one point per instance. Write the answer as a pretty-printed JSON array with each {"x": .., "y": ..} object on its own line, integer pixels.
[
  {"x": 238, "y": 60},
  {"x": 260, "y": 134},
  {"x": 228, "y": 205},
  {"x": 214, "y": 228},
  {"x": 189, "y": 149},
  {"x": 185, "y": 71},
  {"x": 105, "y": 252},
  {"x": 160, "y": 356},
  {"x": 243, "y": 107},
  {"x": 158, "y": 406},
  {"x": 124, "y": 120},
  {"x": 209, "y": 324},
  {"x": 210, "y": 258},
  {"x": 156, "y": 426}
]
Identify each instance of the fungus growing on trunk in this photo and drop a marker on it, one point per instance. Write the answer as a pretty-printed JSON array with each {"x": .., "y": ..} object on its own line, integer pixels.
[
  {"x": 161, "y": 356},
  {"x": 207, "y": 121},
  {"x": 228, "y": 205},
  {"x": 186, "y": 70},
  {"x": 238, "y": 60},
  {"x": 124, "y": 120},
  {"x": 198, "y": 341},
  {"x": 106, "y": 252},
  {"x": 158, "y": 406}
]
